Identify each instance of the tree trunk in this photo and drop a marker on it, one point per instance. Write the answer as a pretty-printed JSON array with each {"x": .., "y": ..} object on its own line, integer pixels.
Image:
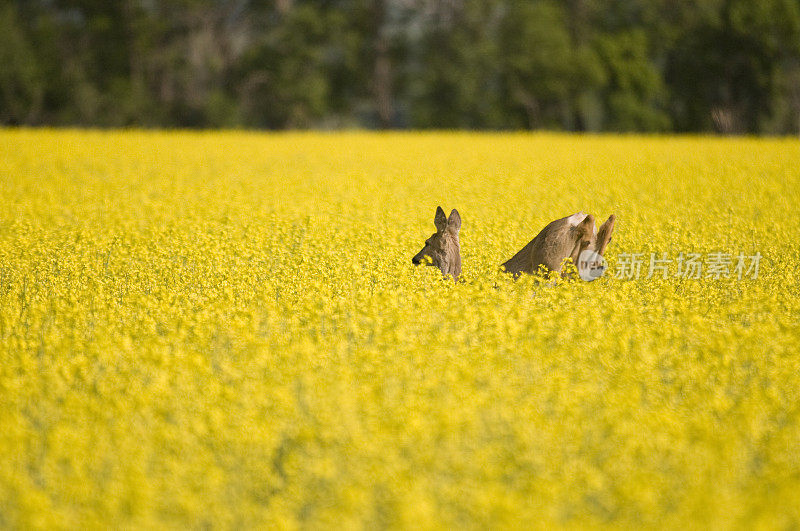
[{"x": 382, "y": 71}]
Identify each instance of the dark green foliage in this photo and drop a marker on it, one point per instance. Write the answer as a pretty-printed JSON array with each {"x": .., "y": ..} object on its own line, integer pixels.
[{"x": 731, "y": 66}]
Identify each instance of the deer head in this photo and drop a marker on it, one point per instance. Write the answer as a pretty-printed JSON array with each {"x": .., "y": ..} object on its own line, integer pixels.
[{"x": 442, "y": 248}]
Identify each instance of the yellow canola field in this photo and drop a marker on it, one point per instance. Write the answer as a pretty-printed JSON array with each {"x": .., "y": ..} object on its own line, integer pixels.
[{"x": 224, "y": 329}]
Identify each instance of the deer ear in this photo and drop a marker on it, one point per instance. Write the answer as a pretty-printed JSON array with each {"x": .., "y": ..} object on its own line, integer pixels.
[
  {"x": 604, "y": 234},
  {"x": 454, "y": 221},
  {"x": 585, "y": 228},
  {"x": 440, "y": 219}
]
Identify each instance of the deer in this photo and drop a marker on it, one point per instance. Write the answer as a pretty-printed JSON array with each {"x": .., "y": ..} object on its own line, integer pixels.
[
  {"x": 563, "y": 238},
  {"x": 443, "y": 249}
]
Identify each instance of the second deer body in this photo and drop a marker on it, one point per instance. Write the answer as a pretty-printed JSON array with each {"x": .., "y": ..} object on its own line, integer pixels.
[{"x": 563, "y": 238}]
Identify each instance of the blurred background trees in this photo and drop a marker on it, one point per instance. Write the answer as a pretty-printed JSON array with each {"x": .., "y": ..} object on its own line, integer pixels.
[{"x": 731, "y": 66}]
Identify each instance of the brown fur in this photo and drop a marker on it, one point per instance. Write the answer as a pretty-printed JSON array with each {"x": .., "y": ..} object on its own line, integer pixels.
[
  {"x": 560, "y": 239},
  {"x": 443, "y": 248}
]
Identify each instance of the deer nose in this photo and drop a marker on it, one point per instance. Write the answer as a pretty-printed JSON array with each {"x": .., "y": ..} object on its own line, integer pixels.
[{"x": 416, "y": 260}]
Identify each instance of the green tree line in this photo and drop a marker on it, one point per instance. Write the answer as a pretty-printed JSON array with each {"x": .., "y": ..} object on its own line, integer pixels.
[{"x": 731, "y": 66}]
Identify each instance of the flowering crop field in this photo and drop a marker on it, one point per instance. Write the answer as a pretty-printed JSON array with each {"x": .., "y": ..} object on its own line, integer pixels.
[{"x": 225, "y": 329}]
